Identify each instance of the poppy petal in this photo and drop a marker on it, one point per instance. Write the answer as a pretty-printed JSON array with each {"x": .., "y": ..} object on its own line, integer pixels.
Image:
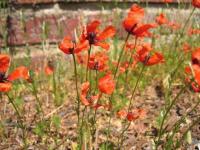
[
  {"x": 84, "y": 100},
  {"x": 103, "y": 45},
  {"x": 5, "y": 87},
  {"x": 81, "y": 46},
  {"x": 48, "y": 70},
  {"x": 106, "y": 84},
  {"x": 66, "y": 45},
  {"x": 155, "y": 59},
  {"x": 20, "y": 72},
  {"x": 4, "y": 62},
  {"x": 108, "y": 32},
  {"x": 140, "y": 31},
  {"x": 93, "y": 26}
]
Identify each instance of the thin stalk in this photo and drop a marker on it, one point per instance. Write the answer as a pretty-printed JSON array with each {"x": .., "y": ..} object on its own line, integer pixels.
[
  {"x": 121, "y": 54},
  {"x": 35, "y": 92},
  {"x": 185, "y": 133},
  {"x": 21, "y": 125},
  {"x": 177, "y": 124},
  {"x": 77, "y": 93},
  {"x": 166, "y": 114},
  {"x": 87, "y": 68},
  {"x": 130, "y": 103},
  {"x": 129, "y": 63},
  {"x": 115, "y": 73}
]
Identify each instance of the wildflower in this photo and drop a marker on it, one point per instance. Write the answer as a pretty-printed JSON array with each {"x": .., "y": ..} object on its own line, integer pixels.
[
  {"x": 194, "y": 70},
  {"x": 161, "y": 19},
  {"x": 196, "y": 3},
  {"x": 85, "y": 98},
  {"x": 143, "y": 55},
  {"x": 173, "y": 25},
  {"x": 70, "y": 47},
  {"x": 196, "y": 57},
  {"x": 192, "y": 31},
  {"x": 186, "y": 47},
  {"x": 106, "y": 84},
  {"x": 98, "y": 61},
  {"x": 136, "y": 114},
  {"x": 49, "y": 69},
  {"x": 133, "y": 115},
  {"x": 94, "y": 37},
  {"x": 132, "y": 23},
  {"x": 135, "y": 15},
  {"x": 6, "y": 81}
]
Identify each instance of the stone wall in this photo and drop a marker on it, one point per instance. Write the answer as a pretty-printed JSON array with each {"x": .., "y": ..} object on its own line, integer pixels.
[{"x": 34, "y": 21}]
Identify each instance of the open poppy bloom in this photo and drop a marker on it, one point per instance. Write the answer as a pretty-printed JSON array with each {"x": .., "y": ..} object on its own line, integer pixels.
[
  {"x": 192, "y": 31},
  {"x": 133, "y": 115},
  {"x": 85, "y": 98},
  {"x": 98, "y": 61},
  {"x": 132, "y": 23},
  {"x": 186, "y": 47},
  {"x": 70, "y": 47},
  {"x": 6, "y": 81},
  {"x": 161, "y": 19},
  {"x": 94, "y": 37},
  {"x": 196, "y": 57},
  {"x": 194, "y": 70},
  {"x": 196, "y": 3},
  {"x": 135, "y": 15},
  {"x": 144, "y": 55},
  {"x": 106, "y": 84}
]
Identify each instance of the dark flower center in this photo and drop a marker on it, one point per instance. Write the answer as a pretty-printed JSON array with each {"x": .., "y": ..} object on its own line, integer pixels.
[
  {"x": 96, "y": 66},
  {"x": 89, "y": 98},
  {"x": 91, "y": 38},
  {"x": 196, "y": 62},
  {"x": 3, "y": 77}
]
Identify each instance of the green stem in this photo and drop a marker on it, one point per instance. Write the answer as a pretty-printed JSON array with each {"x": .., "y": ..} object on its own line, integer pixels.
[
  {"x": 87, "y": 67},
  {"x": 130, "y": 103},
  {"x": 185, "y": 133},
  {"x": 77, "y": 93},
  {"x": 166, "y": 114},
  {"x": 121, "y": 54},
  {"x": 35, "y": 92},
  {"x": 21, "y": 125}
]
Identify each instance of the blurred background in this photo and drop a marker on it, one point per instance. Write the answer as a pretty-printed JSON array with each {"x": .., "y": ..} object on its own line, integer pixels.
[{"x": 32, "y": 22}]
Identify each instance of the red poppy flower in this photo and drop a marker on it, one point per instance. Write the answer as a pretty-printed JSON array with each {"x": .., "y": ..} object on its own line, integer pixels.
[
  {"x": 196, "y": 3},
  {"x": 145, "y": 56},
  {"x": 135, "y": 15},
  {"x": 6, "y": 81},
  {"x": 49, "y": 69},
  {"x": 106, "y": 84},
  {"x": 98, "y": 61},
  {"x": 161, "y": 19},
  {"x": 196, "y": 57},
  {"x": 173, "y": 25},
  {"x": 142, "y": 30},
  {"x": 136, "y": 114},
  {"x": 94, "y": 37},
  {"x": 193, "y": 31},
  {"x": 85, "y": 98},
  {"x": 70, "y": 47},
  {"x": 122, "y": 114},
  {"x": 195, "y": 72},
  {"x": 186, "y": 47}
]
